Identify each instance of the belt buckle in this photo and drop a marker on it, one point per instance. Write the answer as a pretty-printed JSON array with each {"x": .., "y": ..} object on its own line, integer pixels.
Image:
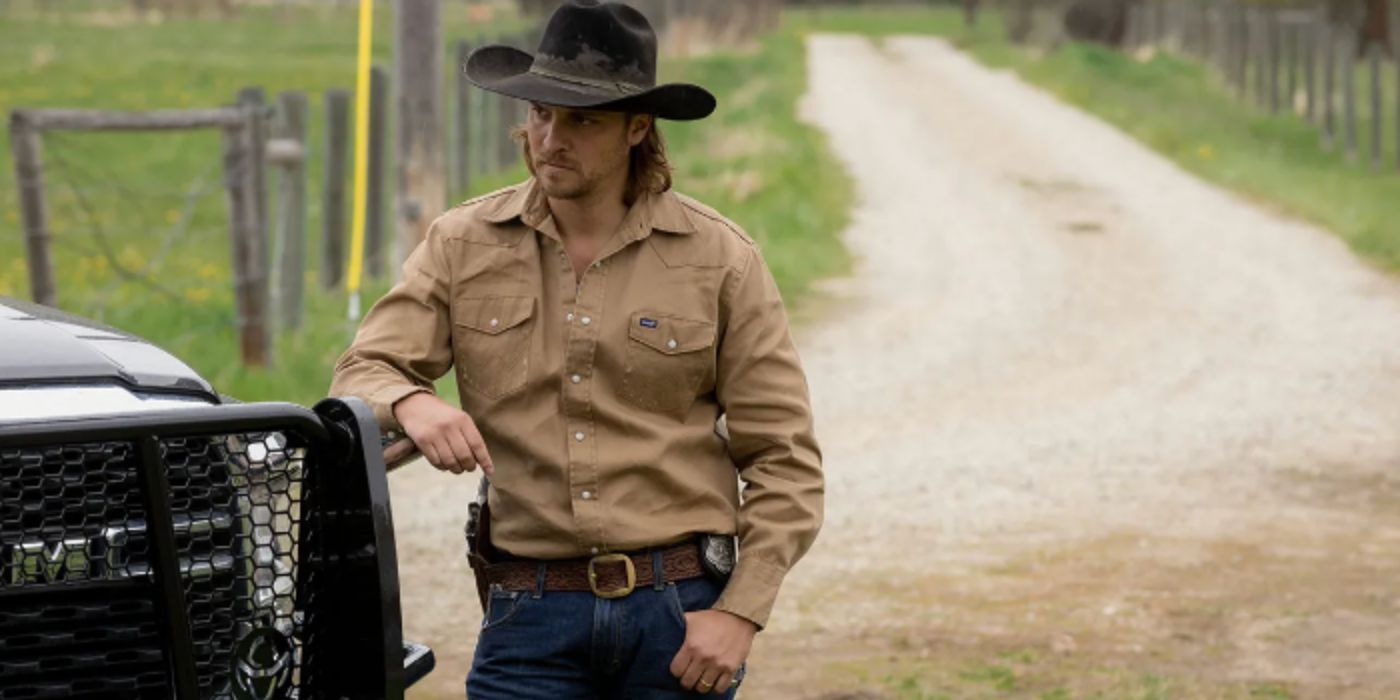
[{"x": 608, "y": 559}]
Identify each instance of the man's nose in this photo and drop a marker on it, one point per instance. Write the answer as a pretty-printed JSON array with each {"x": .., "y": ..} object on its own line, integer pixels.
[{"x": 553, "y": 138}]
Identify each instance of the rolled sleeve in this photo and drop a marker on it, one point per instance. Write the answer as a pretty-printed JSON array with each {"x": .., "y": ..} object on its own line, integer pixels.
[
  {"x": 404, "y": 342},
  {"x": 763, "y": 391}
]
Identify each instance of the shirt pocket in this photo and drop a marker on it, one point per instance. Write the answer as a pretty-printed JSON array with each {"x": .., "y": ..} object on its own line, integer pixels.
[
  {"x": 667, "y": 359},
  {"x": 491, "y": 342}
]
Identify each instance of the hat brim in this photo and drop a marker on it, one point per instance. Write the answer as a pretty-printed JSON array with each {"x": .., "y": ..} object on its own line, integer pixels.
[{"x": 506, "y": 70}]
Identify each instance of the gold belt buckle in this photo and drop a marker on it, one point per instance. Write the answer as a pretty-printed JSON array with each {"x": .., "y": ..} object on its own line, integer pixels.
[{"x": 608, "y": 559}]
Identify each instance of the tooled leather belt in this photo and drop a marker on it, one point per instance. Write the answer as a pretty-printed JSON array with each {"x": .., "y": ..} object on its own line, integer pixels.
[{"x": 606, "y": 575}]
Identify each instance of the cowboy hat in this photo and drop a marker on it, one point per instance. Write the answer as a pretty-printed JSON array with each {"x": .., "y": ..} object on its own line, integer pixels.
[{"x": 593, "y": 55}]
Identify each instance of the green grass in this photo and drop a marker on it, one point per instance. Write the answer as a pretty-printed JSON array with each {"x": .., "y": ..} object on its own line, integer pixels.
[
  {"x": 1183, "y": 110},
  {"x": 117, "y": 201},
  {"x": 126, "y": 193}
]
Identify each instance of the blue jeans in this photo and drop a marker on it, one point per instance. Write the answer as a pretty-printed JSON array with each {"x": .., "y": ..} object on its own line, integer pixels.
[{"x": 561, "y": 645}]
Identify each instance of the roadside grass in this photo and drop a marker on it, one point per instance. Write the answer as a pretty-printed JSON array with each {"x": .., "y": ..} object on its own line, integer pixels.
[
  {"x": 130, "y": 250},
  {"x": 1185, "y": 111}
]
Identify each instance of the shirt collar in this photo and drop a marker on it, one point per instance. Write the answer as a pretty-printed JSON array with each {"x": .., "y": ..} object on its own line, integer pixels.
[{"x": 652, "y": 212}]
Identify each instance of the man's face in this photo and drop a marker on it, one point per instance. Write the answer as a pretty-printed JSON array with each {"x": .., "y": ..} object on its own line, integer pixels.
[{"x": 576, "y": 151}]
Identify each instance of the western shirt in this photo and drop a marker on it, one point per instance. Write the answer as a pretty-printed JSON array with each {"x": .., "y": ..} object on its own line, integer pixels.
[{"x": 600, "y": 398}]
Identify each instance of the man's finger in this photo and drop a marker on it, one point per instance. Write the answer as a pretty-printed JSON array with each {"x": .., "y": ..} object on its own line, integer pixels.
[
  {"x": 478, "y": 445},
  {"x": 681, "y": 662},
  {"x": 430, "y": 451},
  {"x": 465, "y": 461},
  {"x": 694, "y": 673},
  {"x": 722, "y": 683}
]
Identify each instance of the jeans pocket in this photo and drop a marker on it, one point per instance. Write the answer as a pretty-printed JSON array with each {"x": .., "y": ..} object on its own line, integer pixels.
[
  {"x": 690, "y": 596},
  {"x": 501, "y": 606},
  {"x": 673, "y": 603}
]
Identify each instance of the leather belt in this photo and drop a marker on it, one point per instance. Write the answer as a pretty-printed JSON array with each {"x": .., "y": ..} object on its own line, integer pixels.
[{"x": 606, "y": 575}]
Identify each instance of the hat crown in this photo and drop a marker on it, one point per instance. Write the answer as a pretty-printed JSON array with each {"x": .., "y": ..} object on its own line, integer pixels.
[{"x": 598, "y": 42}]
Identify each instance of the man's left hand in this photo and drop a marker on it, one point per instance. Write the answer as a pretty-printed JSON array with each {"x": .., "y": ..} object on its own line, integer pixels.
[{"x": 716, "y": 644}]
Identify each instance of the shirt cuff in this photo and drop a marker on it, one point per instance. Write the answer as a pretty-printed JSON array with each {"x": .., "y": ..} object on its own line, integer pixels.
[
  {"x": 752, "y": 590},
  {"x": 382, "y": 402}
]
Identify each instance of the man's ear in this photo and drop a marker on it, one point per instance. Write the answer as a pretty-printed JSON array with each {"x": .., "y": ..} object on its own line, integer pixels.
[{"x": 638, "y": 127}]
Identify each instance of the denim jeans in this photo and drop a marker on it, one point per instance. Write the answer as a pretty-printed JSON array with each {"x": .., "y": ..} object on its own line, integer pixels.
[{"x": 561, "y": 645}]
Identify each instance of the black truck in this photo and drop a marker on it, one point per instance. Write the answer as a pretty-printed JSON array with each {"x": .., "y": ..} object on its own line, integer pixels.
[{"x": 158, "y": 540}]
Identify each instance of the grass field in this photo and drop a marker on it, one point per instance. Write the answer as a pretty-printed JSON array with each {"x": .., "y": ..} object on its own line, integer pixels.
[{"x": 140, "y": 237}]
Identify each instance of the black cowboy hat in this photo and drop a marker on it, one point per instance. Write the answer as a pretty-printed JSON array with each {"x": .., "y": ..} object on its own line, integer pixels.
[{"x": 594, "y": 55}]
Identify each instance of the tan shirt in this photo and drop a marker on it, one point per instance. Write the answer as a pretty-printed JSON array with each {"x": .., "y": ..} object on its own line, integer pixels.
[{"x": 598, "y": 400}]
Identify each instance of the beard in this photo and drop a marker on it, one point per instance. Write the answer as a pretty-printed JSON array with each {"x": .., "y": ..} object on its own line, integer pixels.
[{"x": 575, "y": 180}]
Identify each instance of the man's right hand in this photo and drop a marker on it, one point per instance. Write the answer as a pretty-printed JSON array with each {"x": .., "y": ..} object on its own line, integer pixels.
[{"x": 447, "y": 436}]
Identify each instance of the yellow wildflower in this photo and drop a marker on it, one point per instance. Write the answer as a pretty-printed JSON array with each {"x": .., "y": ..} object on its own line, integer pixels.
[{"x": 131, "y": 258}]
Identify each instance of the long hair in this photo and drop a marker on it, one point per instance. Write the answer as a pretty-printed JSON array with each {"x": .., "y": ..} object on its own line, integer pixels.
[{"x": 648, "y": 171}]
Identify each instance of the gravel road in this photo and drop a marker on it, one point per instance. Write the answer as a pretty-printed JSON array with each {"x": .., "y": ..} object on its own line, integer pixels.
[{"x": 1075, "y": 404}]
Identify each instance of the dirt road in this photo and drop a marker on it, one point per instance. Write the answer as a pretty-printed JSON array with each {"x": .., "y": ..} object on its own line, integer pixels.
[{"x": 1090, "y": 425}]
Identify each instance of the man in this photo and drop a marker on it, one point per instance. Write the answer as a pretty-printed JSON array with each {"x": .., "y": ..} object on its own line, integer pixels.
[{"x": 600, "y": 325}]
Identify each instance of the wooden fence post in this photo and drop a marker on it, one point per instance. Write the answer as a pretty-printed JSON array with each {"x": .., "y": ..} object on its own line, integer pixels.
[
  {"x": 1395, "y": 58},
  {"x": 291, "y": 204},
  {"x": 1246, "y": 42},
  {"x": 479, "y": 136},
  {"x": 505, "y": 109},
  {"x": 1259, "y": 34},
  {"x": 418, "y": 86},
  {"x": 27, "y": 146},
  {"x": 378, "y": 167},
  {"x": 333, "y": 190},
  {"x": 256, "y": 100},
  {"x": 248, "y": 275},
  {"x": 1290, "y": 62},
  {"x": 1130, "y": 28},
  {"x": 1329, "y": 74},
  {"x": 1348, "y": 71},
  {"x": 1310, "y": 33},
  {"x": 1273, "y": 55},
  {"x": 461, "y": 125},
  {"x": 1373, "y": 56}
]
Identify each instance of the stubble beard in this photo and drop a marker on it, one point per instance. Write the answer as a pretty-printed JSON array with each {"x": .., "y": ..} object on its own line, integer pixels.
[{"x": 579, "y": 183}]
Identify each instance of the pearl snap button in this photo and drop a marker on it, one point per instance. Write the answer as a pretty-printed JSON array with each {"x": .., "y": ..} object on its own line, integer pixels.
[
  {"x": 586, "y": 320},
  {"x": 495, "y": 322},
  {"x": 671, "y": 343}
]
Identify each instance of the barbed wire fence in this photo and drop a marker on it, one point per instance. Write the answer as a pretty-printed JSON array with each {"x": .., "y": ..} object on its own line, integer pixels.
[
  {"x": 76, "y": 172},
  {"x": 1333, "y": 63}
]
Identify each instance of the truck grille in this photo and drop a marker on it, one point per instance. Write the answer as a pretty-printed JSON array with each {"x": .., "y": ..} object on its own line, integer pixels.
[{"x": 81, "y": 602}]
